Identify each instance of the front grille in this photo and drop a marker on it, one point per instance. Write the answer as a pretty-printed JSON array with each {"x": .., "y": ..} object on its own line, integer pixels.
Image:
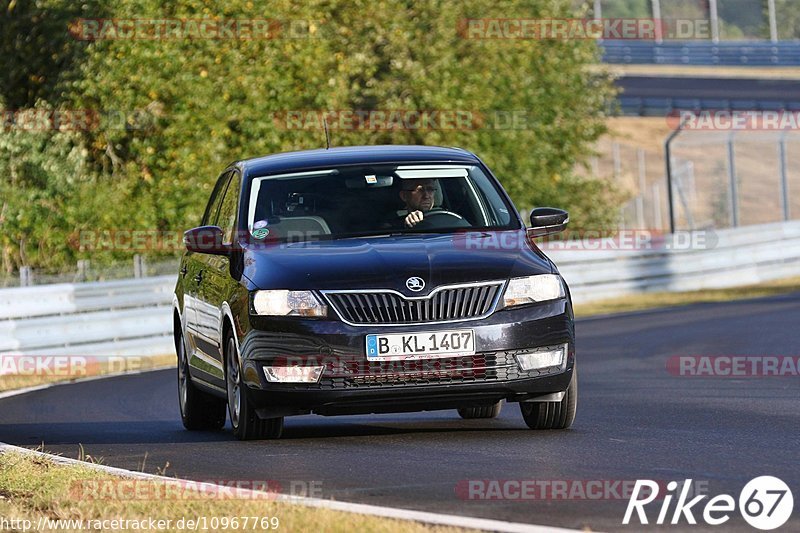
[
  {"x": 444, "y": 304},
  {"x": 483, "y": 367}
]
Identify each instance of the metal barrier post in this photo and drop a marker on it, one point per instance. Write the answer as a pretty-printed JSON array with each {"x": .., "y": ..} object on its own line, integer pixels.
[
  {"x": 83, "y": 268},
  {"x": 714, "y": 16},
  {"x": 138, "y": 266},
  {"x": 657, "y": 218},
  {"x": 668, "y": 159},
  {"x": 642, "y": 185},
  {"x": 773, "y": 22},
  {"x": 784, "y": 176},
  {"x": 25, "y": 276},
  {"x": 656, "y": 5},
  {"x": 734, "y": 187}
]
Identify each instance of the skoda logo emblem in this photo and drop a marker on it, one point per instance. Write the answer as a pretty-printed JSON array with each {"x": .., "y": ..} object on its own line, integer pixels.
[{"x": 415, "y": 284}]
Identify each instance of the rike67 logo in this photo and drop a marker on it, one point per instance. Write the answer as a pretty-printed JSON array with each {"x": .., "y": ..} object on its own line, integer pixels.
[{"x": 765, "y": 503}]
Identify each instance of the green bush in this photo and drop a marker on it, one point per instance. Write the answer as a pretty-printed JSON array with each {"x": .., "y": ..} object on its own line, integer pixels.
[{"x": 192, "y": 105}]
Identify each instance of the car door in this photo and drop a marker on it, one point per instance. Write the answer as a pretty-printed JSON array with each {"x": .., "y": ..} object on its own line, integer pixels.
[
  {"x": 200, "y": 318},
  {"x": 216, "y": 276}
]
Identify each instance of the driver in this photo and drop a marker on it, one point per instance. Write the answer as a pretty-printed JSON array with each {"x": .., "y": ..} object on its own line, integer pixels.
[{"x": 418, "y": 196}]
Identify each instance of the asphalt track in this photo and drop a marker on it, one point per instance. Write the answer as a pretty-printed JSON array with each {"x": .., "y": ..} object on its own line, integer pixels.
[
  {"x": 734, "y": 89},
  {"x": 635, "y": 420}
]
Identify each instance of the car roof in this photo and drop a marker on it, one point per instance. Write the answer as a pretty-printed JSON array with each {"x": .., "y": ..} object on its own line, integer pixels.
[{"x": 353, "y": 155}]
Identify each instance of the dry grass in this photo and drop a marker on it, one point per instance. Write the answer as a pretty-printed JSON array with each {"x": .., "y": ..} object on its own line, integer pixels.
[
  {"x": 648, "y": 133},
  {"x": 657, "y": 300},
  {"x": 35, "y": 488}
]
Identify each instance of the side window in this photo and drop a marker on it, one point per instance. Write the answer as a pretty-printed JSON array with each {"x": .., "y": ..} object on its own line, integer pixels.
[
  {"x": 227, "y": 212},
  {"x": 210, "y": 216}
]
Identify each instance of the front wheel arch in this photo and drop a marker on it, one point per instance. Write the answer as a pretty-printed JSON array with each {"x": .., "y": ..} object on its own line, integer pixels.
[
  {"x": 246, "y": 423},
  {"x": 177, "y": 329}
]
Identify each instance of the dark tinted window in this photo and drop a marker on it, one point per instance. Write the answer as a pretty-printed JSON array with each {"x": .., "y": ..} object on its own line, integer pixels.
[
  {"x": 226, "y": 219},
  {"x": 210, "y": 216},
  {"x": 350, "y": 201}
]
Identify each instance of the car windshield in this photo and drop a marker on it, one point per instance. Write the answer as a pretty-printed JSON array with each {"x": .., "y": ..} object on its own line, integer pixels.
[{"x": 357, "y": 201}]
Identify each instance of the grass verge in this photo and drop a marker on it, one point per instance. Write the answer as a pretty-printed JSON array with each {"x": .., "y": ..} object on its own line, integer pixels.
[
  {"x": 37, "y": 489},
  {"x": 70, "y": 368},
  {"x": 657, "y": 300}
]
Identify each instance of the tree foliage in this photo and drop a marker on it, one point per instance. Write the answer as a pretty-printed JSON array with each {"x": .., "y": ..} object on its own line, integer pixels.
[{"x": 192, "y": 105}]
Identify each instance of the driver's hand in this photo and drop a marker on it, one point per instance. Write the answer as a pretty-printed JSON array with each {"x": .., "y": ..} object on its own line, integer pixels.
[{"x": 413, "y": 218}]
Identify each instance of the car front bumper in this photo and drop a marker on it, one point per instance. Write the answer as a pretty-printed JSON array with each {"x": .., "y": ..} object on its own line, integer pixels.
[{"x": 350, "y": 384}]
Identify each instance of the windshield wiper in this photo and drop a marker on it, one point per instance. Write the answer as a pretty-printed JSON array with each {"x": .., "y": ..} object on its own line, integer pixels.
[{"x": 360, "y": 234}]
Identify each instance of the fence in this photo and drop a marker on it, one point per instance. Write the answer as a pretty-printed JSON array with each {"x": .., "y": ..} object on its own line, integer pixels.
[
  {"x": 86, "y": 270},
  {"x": 729, "y": 258},
  {"x": 720, "y": 179},
  {"x": 738, "y": 179},
  {"x": 714, "y": 20},
  {"x": 638, "y": 106},
  {"x": 748, "y": 53},
  {"x": 133, "y": 317}
]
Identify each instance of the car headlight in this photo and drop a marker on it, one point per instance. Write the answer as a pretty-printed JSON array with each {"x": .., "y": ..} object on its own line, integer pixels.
[
  {"x": 531, "y": 289},
  {"x": 287, "y": 303}
]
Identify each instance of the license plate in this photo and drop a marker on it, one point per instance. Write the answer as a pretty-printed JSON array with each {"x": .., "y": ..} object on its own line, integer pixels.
[{"x": 427, "y": 345}]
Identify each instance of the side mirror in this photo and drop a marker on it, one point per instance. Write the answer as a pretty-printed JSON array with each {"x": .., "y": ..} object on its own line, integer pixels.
[
  {"x": 547, "y": 221},
  {"x": 205, "y": 240}
]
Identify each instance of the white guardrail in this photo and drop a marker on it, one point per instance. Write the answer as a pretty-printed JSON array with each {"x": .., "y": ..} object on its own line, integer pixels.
[
  {"x": 126, "y": 317},
  {"x": 133, "y": 317}
]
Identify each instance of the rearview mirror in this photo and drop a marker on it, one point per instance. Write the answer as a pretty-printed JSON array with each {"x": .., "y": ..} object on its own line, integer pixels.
[
  {"x": 547, "y": 221},
  {"x": 205, "y": 240}
]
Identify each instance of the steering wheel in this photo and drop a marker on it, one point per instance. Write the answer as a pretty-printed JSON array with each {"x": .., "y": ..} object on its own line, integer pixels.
[{"x": 441, "y": 218}]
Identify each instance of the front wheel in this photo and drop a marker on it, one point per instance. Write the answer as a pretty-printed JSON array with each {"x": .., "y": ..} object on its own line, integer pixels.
[
  {"x": 486, "y": 411},
  {"x": 553, "y": 415},
  {"x": 246, "y": 423},
  {"x": 199, "y": 410}
]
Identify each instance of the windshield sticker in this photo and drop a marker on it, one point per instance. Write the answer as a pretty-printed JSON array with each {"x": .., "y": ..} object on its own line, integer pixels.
[
  {"x": 260, "y": 230},
  {"x": 260, "y": 233}
]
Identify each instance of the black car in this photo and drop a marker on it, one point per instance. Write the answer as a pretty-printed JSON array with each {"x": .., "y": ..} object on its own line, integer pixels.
[{"x": 369, "y": 280}]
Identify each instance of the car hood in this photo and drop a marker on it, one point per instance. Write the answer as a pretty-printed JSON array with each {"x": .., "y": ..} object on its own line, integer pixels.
[{"x": 388, "y": 261}]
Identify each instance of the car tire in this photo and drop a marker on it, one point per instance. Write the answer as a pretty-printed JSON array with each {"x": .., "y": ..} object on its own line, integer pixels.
[
  {"x": 199, "y": 410},
  {"x": 553, "y": 415},
  {"x": 486, "y": 411},
  {"x": 246, "y": 423}
]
